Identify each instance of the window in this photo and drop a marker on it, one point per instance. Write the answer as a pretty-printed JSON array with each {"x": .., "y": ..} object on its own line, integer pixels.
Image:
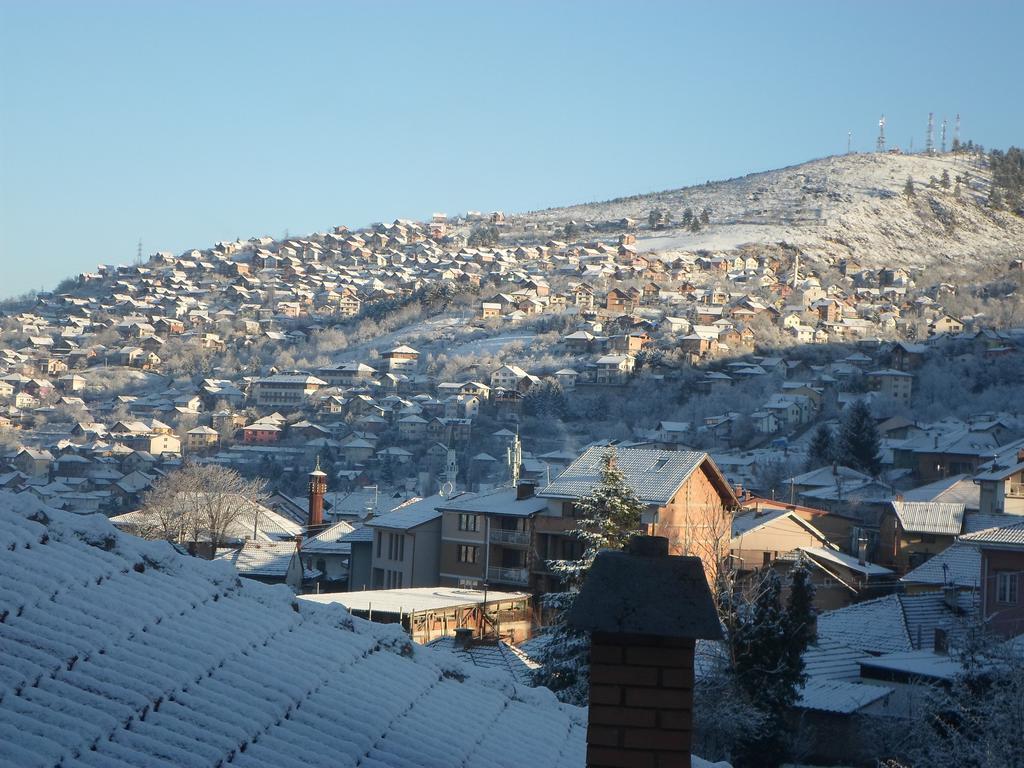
[
  {"x": 467, "y": 553},
  {"x": 396, "y": 546},
  {"x": 1006, "y": 587},
  {"x": 467, "y": 522}
]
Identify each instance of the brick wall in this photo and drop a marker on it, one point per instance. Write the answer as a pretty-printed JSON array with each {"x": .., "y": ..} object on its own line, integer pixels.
[{"x": 641, "y": 701}]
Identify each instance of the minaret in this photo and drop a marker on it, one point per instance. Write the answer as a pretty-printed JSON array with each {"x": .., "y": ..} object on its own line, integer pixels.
[{"x": 317, "y": 489}]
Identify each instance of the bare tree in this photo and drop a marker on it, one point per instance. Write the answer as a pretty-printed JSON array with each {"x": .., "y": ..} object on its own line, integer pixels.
[{"x": 201, "y": 503}]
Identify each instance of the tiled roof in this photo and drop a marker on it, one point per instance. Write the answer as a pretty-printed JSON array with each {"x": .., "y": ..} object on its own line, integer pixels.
[
  {"x": 654, "y": 476},
  {"x": 268, "y": 559},
  {"x": 876, "y": 626},
  {"x": 942, "y": 518},
  {"x": 121, "y": 653},
  {"x": 500, "y": 655},
  {"x": 957, "y": 565},
  {"x": 1004, "y": 535},
  {"x": 331, "y": 541}
]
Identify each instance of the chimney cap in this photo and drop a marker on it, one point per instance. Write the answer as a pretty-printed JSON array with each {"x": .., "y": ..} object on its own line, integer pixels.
[{"x": 649, "y": 594}]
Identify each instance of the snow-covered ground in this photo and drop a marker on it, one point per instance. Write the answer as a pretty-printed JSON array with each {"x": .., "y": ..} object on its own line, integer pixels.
[{"x": 846, "y": 205}]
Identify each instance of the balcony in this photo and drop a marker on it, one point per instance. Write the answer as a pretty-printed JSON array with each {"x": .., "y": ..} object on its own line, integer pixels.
[
  {"x": 515, "y": 538},
  {"x": 519, "y": 576}
]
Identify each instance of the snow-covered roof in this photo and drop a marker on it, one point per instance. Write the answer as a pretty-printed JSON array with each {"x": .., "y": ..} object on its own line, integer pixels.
[
  {"x": 1001, "y": 536},
  {"x": 954, "y": 489},
  {"x": 498, "y": 655},
  {"x": 264, "y": 559},
  {"x": 898, "y": 622},
  {"x": 121, "y": 652},
  {"x": 331, "y": 541},
  {"x": 936, "y": 517},
  {"x": 835, "y": 557},
  {"x": 839, "y": 696},
  {"x": 412, "y": 599},
  {"x": 411, "y": 514},
  {"x": 501, "y": 501},
  {"x": 654, "y": 476},
  {"x": 958, "y": 565}
]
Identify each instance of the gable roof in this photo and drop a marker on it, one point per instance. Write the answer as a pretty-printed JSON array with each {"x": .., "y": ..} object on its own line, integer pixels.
[
  {"x": 942, "y": 518},
  {"x": 958, "y": 565},
  {"x": 120, "y": 652},
  {"x": 655, "y": 476}
]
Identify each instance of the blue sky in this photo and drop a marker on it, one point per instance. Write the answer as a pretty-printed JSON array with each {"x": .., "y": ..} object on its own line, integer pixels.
[{"x": 183, "y": 123}]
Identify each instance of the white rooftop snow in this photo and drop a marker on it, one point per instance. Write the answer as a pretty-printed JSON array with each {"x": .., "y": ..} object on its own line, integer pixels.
[{"x": 119, "y": 652}]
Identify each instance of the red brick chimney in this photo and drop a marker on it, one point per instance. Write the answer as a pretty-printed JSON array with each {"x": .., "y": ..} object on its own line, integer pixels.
[
  {"x": 317, "y": 489},
  {"x": 644, "y": 609}
]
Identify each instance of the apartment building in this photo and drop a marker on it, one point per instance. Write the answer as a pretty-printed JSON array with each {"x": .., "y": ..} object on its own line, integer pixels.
[{"x": 285, "y": 389}]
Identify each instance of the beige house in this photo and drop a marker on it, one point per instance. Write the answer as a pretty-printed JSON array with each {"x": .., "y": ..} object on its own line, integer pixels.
[{"x": 687, "y": 498}]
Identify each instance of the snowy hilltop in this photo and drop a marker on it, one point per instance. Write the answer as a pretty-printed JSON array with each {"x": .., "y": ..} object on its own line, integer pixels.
[{"x": 847, "y": 206}]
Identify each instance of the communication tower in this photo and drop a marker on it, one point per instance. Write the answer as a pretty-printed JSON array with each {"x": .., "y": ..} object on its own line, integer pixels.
[
  {"x": 929, "y": 142},
  {"x": 943, "y": 145},
  {"x": 880, "y": 144}
]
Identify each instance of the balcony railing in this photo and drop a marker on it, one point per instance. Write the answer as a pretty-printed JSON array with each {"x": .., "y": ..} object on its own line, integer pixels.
[
  {"x": 503, "y": 536},
  {"x": 508, "y": 575}
]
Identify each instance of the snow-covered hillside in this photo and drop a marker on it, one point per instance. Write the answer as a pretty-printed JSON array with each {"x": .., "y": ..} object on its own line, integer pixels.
[
  {"x": 842, "y": 206},
  {"x": 119, "y": 652}
]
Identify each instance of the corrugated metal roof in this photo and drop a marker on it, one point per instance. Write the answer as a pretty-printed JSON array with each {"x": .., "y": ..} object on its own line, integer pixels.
[
  {"x": 654, "y": 476},
  {"x": 943, "y": 518}
]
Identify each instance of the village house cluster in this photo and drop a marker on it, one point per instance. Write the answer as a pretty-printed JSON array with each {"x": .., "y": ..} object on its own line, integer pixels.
[{"x": 418, "y": 515}]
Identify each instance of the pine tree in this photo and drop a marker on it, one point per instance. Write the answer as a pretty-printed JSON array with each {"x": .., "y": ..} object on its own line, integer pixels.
[
  {"x": 758, "y": 647},
  {"x": 694, "y": 224},
  {"x": 607, "y": 518},
  {"x": 821, "y": 450},
  {"x": 858, "y": 445},
  {"x": 944, "y": 179},
  {"x": 705, "y": 215},
  {"x": 908, "y": 188},
  {"x": 687, "y": 216}
]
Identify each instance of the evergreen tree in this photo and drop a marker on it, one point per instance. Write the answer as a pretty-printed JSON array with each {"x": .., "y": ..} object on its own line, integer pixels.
[
  {"x": 759, "y": 649},
  {"x": 694, "y": 224},
  {"x": 858, "y": 445},
  {"x": 821, "y": 450},
  {"x": 606, "y": 519},
  {"x": 908, "y": 188},
  {"x": 705, "y": 215},
  {"x": 944, "y": 179},
  {"x": 546, "y": 398},
  {"x": 687, "y": 216}
]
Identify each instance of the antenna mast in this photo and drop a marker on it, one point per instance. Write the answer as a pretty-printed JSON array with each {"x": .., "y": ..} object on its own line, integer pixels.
[
  {"x": 943, "y": 135},
  {"x": 515, "y": 459},
  {"x": 880, "y": 144},
  {"x": 849, "y": 141},
  {"x": 929, "y": 142},
  {"x": 138, "y": 253},
  {"x": 956, "y": 131}
]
